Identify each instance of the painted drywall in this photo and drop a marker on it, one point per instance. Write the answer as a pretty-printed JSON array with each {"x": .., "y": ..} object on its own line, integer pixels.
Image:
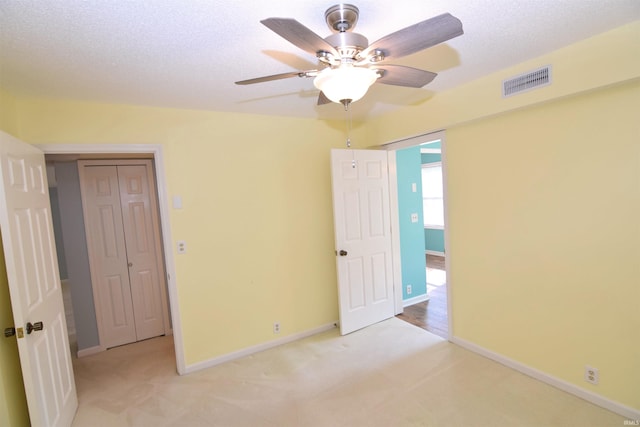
[
  {"x": 411, "y": 237},
  {"x": 8, "y": 113},
  {"x": 13, "y": 402},
  {"x": 57, "y": 231},
  {"x": 256, "y": 216},
  {"x": 74, "y": 246},
  {"x": 554, "y": 307},
  {"x": 603, "y": 60},
  {"x": 434, "y": 240},
  {"x": 430, "y": 157}
]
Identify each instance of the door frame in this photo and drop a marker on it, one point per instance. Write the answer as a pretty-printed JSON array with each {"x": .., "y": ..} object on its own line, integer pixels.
[
  {"x": 392, "y": 147},
  {"x": 163, "y": 206}
]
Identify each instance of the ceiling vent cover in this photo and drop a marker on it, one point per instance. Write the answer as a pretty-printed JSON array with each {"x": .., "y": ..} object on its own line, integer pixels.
[{"x": 524, "y": 82}]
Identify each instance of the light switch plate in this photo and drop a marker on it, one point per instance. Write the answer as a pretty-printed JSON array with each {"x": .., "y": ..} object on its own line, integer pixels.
[
  {"x": 414, "y": 187},
  {"x": 177, "y": 202},
  {"x": 414, "y": 217}
]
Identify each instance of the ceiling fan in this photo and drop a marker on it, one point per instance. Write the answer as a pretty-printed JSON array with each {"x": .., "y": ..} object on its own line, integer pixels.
[{"x": 350, "y": 65}]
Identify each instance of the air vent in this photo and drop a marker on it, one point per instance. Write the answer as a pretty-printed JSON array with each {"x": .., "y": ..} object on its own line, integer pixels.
[{"x": 527, "y": 81}]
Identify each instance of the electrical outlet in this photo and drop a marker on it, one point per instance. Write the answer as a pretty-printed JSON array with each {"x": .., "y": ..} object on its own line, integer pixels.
[
  {"x": 409, "y": 290},
  {"x": 276, "y": 327},
  {"x": 591, "y": 375}
]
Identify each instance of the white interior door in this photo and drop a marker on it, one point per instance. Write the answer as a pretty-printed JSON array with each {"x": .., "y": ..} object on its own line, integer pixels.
[
  {"x": 363, "y": 237},
  {"x": 34, "y": 284}
]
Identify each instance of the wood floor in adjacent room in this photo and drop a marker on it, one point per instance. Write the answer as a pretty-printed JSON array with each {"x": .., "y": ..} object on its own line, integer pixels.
[{"x": 431, "y": 315}]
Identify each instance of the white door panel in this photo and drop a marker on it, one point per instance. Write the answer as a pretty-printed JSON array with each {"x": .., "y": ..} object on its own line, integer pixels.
[
  {"x": 34, "y": 284},
  {"x": 108, "y": 255},
  {"x": 363, "y": 236},
  {"x": 144, "y": 268}
]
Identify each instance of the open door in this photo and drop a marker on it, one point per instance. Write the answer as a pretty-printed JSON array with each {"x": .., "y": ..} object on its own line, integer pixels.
[
  {"x": 362, "y": 224},
  {"x": 34, "y": 284}
]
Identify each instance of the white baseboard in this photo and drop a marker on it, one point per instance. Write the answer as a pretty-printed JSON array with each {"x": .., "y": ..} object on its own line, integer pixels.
[
  {"x": 89, "y": 351},
  {"x": 589, "y": 396},
  {"x": 257, "y": 348},
  {"x": 430, "y": 252},
  {"x": 415, "y": 300}
]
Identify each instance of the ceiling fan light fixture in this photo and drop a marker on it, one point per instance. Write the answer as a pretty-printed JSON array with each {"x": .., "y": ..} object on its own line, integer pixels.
[{"x": 345, "y": 82}]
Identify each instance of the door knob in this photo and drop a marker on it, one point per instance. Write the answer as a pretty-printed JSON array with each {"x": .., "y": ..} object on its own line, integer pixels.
[
  {"x": 9, "y": 332},
  {"x": 342, "y": 252},
  {"x": 38, "y": 326}
]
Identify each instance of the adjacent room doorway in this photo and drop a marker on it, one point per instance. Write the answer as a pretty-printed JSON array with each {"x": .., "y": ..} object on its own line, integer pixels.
[{"x": 434, "y": 313}]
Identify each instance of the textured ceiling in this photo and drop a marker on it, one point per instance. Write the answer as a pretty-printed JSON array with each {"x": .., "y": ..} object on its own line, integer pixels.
[{"x": 188, "y": 53}]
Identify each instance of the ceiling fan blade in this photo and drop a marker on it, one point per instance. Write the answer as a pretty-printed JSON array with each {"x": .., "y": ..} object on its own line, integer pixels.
[
  {"x": 399, "y": 75},
  {"x": 299, "y": 35},
  {"x": 309, "y": 73},
  {"x": 322, "y": 99},
  {"x": 416, "y": 37}
]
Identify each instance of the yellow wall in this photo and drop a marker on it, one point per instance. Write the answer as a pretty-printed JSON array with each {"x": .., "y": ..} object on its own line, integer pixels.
[
  {"x": 606, "y": 59},
  {"x": 13, "y": 402},
  {"x": 544, "y": 212},
  {"x": 257, "y": 216},
  {"x": 544, "y": 219},
  {"x": 8, "y": 113}
]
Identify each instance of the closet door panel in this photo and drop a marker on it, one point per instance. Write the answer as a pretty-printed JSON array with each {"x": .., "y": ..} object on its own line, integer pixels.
[
  {"x": 108, "y": 255},
  {"x": 139, "y": 231}
]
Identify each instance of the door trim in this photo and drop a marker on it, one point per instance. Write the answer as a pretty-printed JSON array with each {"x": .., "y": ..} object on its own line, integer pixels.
[
  {"x": 163, "y": 206},
  {"x": 395, "y": 231}
]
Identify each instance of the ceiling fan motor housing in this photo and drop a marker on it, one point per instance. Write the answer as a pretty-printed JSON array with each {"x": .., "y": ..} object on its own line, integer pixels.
[{"x": 348, "y": 45}]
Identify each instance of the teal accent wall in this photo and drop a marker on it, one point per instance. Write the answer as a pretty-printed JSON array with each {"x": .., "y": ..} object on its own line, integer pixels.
[
  {"x": 434, "y": 144},
  {"x": 408, "y": 165},
  {"x": 433, "y": 238},
  {"x": 430, "y": 157}
]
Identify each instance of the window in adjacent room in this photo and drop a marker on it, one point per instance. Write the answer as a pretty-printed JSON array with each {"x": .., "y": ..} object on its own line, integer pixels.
[{"x": 432, "y": 203}]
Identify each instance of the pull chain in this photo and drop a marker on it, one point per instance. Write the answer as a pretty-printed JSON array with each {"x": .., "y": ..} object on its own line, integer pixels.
[{"x": 348, "y": 110}]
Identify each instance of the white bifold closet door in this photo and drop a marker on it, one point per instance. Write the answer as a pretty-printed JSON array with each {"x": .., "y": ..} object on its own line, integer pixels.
[{"x": 123, "y": 238}]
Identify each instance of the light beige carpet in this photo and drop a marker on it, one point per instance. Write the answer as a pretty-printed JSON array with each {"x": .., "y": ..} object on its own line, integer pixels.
[{"x": 389, "y": 374}]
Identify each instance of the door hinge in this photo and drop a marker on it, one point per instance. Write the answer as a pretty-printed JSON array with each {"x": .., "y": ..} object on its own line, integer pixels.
[{"x": 20, "y": 332}]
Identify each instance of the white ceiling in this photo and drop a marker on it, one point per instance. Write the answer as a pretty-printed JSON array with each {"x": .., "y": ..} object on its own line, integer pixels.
[{"x": 188, "y": 53}]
